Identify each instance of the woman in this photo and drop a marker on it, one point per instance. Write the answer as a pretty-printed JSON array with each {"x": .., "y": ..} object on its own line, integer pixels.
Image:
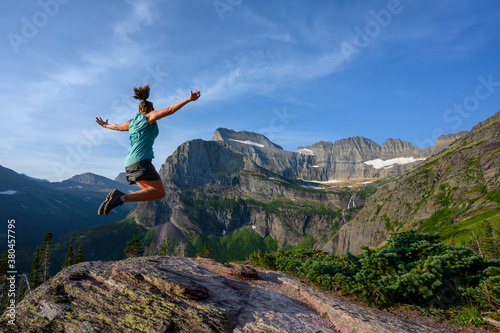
[{"x": 143, "y": 131}]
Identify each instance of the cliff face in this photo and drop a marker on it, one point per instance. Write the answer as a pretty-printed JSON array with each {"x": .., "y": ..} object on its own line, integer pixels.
[
  {"x": 442, "y": 194},
  {"x": 344, "y": 159}
]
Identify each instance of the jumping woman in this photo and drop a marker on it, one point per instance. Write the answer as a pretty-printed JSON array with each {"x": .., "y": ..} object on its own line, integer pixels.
[{"x": 143, "y": 132}]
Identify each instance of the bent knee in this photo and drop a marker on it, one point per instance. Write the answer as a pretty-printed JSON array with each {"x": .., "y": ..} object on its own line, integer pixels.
[{"x": 160, "y": 194}]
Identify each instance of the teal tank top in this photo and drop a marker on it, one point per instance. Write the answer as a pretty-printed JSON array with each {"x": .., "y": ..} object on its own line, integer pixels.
[{"x": 142, "y": 138}]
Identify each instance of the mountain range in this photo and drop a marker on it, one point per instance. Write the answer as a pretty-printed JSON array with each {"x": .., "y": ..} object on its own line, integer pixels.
[
  {"x": 350, "y": 158},
  {"x": 39, "y": 206},
  {"x": 311, "y": 198},
  {"x": 240, "y": 192}
]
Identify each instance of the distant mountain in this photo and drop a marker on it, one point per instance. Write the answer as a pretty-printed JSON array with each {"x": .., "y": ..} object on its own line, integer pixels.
[
  {"x": 40, "y": 207},
  {"x": 36, "y": 179},
  {"x": 450, "y": 193},
  {"x": 351, "y": 158},
  {"x": 121, "y": 178},
  {"x": 90, "y": 182}
]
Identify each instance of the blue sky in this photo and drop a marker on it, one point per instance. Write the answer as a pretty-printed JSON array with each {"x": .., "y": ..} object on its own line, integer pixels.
[{"x": 297, "y": 71}]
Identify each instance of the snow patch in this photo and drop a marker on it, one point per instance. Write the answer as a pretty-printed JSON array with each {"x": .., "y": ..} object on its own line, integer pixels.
[
  {"x": 254, "y": 227},
  {"x": 9, "y": 192},
  {"x": 305, "y": 151},
  {"x": 315, "y": 166},
  {"x": 364, "y": 183},
  {"x": 248, "y": 142},
  {"x": 379, "y": 164},
  {"x": 321, "y": 181},
  {"x": 333, "y": 181},
  {"x": 223, "y": 232},
  {"x": 313, "y": 187}
]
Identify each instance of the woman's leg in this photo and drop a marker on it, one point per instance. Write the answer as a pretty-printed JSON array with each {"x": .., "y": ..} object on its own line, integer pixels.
[{"x": 150, "y": 190}]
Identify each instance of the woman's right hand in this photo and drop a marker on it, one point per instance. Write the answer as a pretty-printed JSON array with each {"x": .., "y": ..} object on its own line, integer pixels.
[{"x": 101, "y": 122}]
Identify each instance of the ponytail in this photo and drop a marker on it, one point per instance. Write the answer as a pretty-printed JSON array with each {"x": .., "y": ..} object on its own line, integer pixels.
[{"x": 142, "y": 93}]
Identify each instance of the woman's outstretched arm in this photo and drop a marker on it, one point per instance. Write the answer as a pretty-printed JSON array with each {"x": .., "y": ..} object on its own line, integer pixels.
[
  {"x": 153, "y": 116},
  {"x": 116, "y": 127}
]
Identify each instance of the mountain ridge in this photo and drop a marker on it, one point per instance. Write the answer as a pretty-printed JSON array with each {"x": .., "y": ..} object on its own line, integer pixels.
[
  {"x": 444, "y": 193},
  {"x": 322, "y": 161}
]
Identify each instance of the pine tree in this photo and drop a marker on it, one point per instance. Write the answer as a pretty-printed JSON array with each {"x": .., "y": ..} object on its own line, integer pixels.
[
  {"x": 133, "y": 248},
  {"x": 3, "y": 281},
  {"x": 35, "y": 278},
  {"x": 489, "y": 241},
  {"x": 45, "y": 256},
  {"x": 163, "y": 249},
  {"x": 68, "y": 261},
  {"x": 206, "y": 251},
  {"x": 79, "y": 255}
]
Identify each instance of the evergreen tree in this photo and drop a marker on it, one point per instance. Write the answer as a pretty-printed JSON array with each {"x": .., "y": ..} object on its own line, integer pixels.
[
  {"x": 489, "y": 243},
  {"x": 79, "y": 255},
  {"x": 206, "y": 251},
  {"x": 134, "y": 248},
  {"x": 163, "y": 249},
  {"x": 45, "y": 256},
  {"x": 3, "y": 281},
  {"x": 35, "y": 278},
  {"x": 68, "y": 261}
]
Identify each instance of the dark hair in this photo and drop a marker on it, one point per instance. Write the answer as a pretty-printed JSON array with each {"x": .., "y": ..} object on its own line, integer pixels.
[{"x": 142, "y": 93}]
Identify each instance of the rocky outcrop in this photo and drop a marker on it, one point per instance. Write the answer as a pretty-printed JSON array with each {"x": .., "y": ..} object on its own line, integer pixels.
[
  {"x": 171, "y": 294},
  {"x": 458, "y": 183}
]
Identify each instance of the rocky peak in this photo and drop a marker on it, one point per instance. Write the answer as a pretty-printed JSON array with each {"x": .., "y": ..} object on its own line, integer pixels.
[
  {"x": 89, "y": 181},
  {"x": 204, "y": 163},
  {"x": 397, "y": 145},
  {"x": 356, "y": 143},
  {"x": 448, "y": 138},
  {"x": 89, "y": 178},
  {"x": 243, "y": 139},
  {"x": 397, "y": 148}
]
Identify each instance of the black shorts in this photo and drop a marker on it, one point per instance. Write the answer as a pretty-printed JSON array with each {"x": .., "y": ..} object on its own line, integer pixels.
[{"x": 142, "y": 170}]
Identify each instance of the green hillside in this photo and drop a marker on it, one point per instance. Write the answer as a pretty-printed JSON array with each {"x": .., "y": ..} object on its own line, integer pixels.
[{"x": 453, "y": 193}]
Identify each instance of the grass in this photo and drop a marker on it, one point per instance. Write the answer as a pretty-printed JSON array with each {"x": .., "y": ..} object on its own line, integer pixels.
[
  {"x": 461, "y": 230},
  {"x": 235, "y": 246},
  {"x": 439, "y": 221}
]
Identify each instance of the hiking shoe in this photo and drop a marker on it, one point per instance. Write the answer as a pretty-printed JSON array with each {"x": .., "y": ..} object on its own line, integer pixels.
[
  {"x": 113, "y": 201},
  {"x": 100, "y": 211}
]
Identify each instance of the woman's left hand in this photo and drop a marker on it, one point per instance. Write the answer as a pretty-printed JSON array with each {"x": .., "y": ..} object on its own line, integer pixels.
[{"x": 195, "y": 95}]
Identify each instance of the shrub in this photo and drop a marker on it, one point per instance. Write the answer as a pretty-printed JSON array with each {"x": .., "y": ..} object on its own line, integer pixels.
[{"x": 415, "y": 268}]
